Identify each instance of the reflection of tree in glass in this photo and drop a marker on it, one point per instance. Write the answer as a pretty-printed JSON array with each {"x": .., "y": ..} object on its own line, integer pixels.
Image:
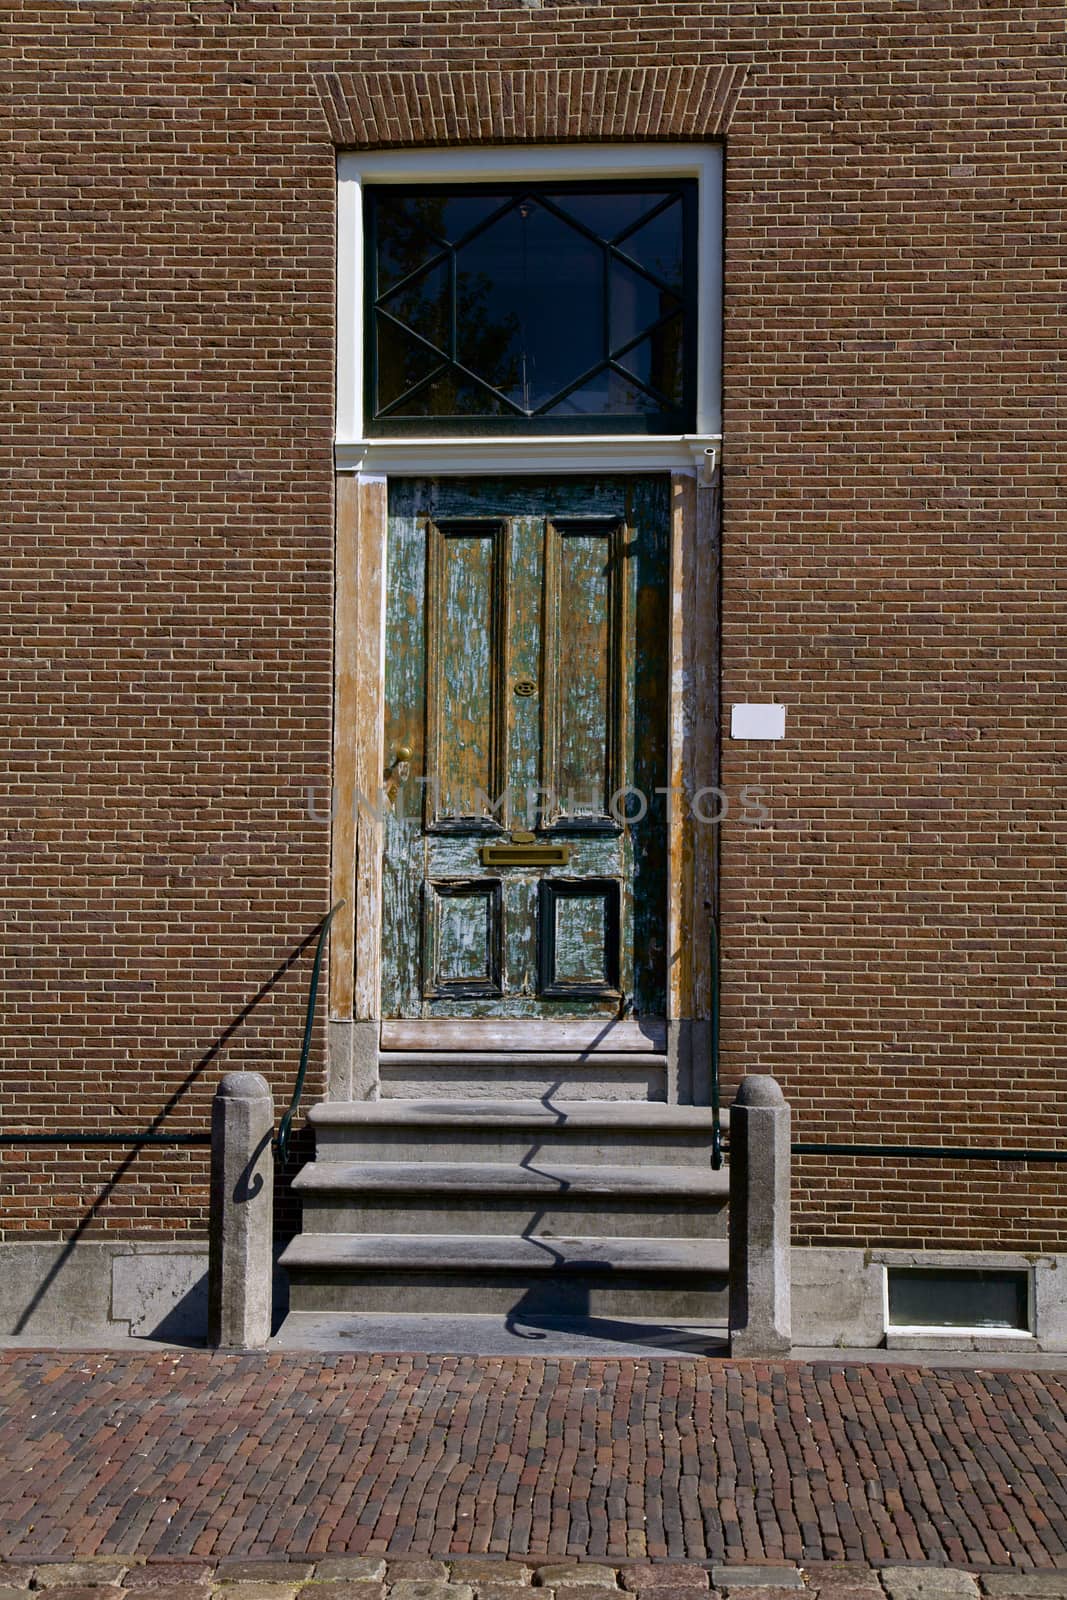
[
  {"x": 408, "y": 235},
  {"x": 657, "y": 245},
  {"x": 666, "y": 364},
  {"x": 490, "y": 349},
  {"x": 404, "y": 242}
]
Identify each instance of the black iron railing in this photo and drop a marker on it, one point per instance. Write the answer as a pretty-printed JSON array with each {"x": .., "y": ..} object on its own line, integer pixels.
[
  {"x": 914, "y": 1152},
  {"x": 80, "y": 1136},
  {"x": 716, "y": 993},
  {"x": 930, "y": 1152},
  {"x": 285, "y": 1127}
]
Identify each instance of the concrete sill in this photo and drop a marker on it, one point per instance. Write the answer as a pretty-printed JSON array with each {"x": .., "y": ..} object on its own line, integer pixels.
[{"x": 923, "y": 1338}]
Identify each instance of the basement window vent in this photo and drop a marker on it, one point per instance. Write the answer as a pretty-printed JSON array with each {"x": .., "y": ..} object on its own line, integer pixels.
[{"x": 945, "y": 1297}]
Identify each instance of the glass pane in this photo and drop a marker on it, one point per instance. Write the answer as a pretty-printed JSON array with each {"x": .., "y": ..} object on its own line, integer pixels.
[
  {"x": 403, "y": 244},
  {"x": 636, "y": 303},
  {"x": 657, "y": 361},
  {"x": 402, "y": 362},
  {"x": 607, "y": 394},
  {"x": 657, "y": 246},
  {"x": 926, "y": 1297},
  {"x": 451, "y": 396},
  {"x": 530, "y": 304},
  {"x": 422, "y": 305},
  {"x": 456, "y": 215},
  {"x": 516, "y": 305},
  {"x": 607, "y": 214},
  {"x": 412, "y": 228}
]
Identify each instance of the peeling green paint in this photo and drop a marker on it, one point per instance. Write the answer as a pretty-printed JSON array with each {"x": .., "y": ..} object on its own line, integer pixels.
[{"x": 494, "y": 586}]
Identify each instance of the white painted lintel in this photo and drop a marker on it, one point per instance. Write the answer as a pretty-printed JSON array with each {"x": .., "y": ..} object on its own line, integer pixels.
[{"x": 567, "y": 453}]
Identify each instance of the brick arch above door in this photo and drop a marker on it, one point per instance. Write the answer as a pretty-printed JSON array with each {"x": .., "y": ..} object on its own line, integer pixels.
[{"x": 376, "y": 110}]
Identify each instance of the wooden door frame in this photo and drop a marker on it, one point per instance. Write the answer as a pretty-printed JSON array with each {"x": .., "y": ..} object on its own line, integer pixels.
[{"x": 359, "y": 766}]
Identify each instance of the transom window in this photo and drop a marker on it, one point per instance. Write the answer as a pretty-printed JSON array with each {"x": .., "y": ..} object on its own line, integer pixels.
[{"x": 550, "y": 308}]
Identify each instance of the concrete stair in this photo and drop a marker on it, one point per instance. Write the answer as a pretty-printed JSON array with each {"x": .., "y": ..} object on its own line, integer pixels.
[
  {"x": 590, "y": 1208},
  {"x": 488, "y": 1074}
]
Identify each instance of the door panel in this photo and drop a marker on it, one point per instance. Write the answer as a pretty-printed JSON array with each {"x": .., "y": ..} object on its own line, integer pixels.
[
  {"x": 467, "y": 591},
  {"x": 584, "y": 731},
  {"x": 463, "y": 939},
  {"x": 579, "y": 932},
  {"x": 515, "y": 679}
]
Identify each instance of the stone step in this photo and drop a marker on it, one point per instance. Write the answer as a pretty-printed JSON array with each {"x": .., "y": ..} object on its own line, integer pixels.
[
  {"x": 487, "y": 1252},
  {"x": 499, "y": 1177},
  {"x": 422, "y": 1197},
  {"x": 512, "y": 1131},
  {"x": 514, "y": 1113},
  {"x": 637, "y": 1088},
  {"x": 390, "y": 1211},
  {"x": 517, "y": 1075},
  {"x": 476, "y": 1334},
  {"x": 557, "y": 1036},
  {"x": 576, "y": 1276}
]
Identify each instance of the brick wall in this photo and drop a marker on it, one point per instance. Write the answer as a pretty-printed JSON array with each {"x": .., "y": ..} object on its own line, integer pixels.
[{"x": 894, "y": 298}]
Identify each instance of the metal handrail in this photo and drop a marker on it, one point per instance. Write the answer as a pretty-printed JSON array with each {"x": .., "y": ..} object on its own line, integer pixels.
[
  {"x": 285, "y": 1127},
  {"x": 931, "y": 1152},
  {"x": 82, "y": 1136},
  {"x": 918, "y": 1152},
  {"x": 716, "y": 990}
]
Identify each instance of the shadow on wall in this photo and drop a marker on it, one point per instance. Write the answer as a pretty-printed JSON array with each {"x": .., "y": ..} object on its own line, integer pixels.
[
  {"x": 157, "y": 1303},
  {"x": 157, "y": 1314},
  {"x": 185, "y": 1321},
  {"x": 52, "y": 1284},
  {"x": 112, "y": 1290}
]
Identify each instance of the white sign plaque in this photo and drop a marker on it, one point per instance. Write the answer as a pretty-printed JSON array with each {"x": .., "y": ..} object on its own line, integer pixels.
[{"x": 757, "y": 722}]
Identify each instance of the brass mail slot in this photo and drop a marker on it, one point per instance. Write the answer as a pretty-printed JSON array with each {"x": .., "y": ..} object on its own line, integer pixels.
[{"x": 525, "y": 855}]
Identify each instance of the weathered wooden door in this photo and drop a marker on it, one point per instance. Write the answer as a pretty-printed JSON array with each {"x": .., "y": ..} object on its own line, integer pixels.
[{"x": 526, "y": 734}]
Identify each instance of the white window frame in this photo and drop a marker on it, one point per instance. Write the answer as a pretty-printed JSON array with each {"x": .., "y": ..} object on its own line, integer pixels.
[
  {"x": 568, "y": 453},
  {"x": 932, "y": 1261}
]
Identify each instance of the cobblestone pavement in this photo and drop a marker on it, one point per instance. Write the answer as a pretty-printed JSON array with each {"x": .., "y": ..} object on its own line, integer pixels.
[{"x": 185, "y": 1453}]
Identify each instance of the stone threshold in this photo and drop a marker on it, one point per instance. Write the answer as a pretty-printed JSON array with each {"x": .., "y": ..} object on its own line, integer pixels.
[{"x": 454, "y": 1577}]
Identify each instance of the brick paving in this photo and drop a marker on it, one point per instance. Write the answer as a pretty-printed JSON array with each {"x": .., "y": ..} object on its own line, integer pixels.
[{"x": 158, "y": 1456}]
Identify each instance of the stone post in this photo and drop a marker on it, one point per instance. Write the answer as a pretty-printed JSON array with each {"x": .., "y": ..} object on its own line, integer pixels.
[
  {"x": 759, "y": 1220},
  {"x": 240, "y": 1272}
]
